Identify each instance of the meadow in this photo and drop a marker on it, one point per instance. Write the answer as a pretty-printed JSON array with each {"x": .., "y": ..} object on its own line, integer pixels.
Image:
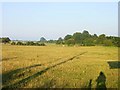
[{"x": 55, "y": 66}]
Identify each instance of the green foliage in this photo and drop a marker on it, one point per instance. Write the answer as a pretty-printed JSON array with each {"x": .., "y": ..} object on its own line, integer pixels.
[
  {"x": 86, "y": 39},
  {"x": 29, "y": 43},
  {"x": 59, "y": 41},
  {"x": 13, "y": 43},
  {"x": 67, "y": 37},
  {"x": 102, "y": 36},
  {"x": 88, "y": 42},
  {"x": 116, "y": 41},
  {"x": 42, "y": 44},
  {"x": 77, "y": 37},
  {"x": 70, "y": 42},
  {"x": 5, "y": 40},
  {"x": 19, "y": 43},
  {"x": 107, "y": 43},
  {"x": 51, "y": 41},
  {"x": 85, "y": 35},
  {"x": 83, "y": 39}
]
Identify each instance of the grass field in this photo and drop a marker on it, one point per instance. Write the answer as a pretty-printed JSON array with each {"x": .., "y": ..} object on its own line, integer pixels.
[{"x": 58, "y": 67}]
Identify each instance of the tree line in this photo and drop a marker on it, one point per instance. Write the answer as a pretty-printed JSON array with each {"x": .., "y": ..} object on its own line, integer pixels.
[
  {"x": 78, "y": 38},
  {"x": 6, "y": 40},
  {"x": 28, "y": 43},
  {"x": 86, "y": 39}
]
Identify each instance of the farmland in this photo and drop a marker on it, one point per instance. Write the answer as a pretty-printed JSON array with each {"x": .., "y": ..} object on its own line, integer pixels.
[{"x": 55, "y": 66}]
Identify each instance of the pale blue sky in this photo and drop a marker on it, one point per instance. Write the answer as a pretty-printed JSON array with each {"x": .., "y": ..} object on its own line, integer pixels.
[{"x": 30, "y": 21}]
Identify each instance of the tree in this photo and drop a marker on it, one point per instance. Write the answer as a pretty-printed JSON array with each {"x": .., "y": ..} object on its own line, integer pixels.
[
  {"x": 95, "y": 36},
  {"x": 59, "y": 41},
  {"x": 19, "y": 43},
  {"x": 85, "y": 34},
  {"x": 67, "y": 37},
  {"x": 51, "y": 41},
  {"x": 42, "y": 44},
  {"x": 102, "y": 36},
  {"x": 30, "y": 43},
  {"x": 116, "y": 41},
  {"x": 107, "y": 42},
  {"x": 13, "y": 43},
  {"x": 42, "y": 39},
  {"x": 70, "y": 42},
  {"x": 5, "y": 40},
  {"x": 101, "y": 39},
  {"x": 88, "y": 42},
  {"x": 87, "y": 39},
  {"x": 77, "y": 37}
]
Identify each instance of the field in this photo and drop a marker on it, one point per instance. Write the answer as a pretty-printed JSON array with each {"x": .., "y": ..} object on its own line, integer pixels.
[{"x": 55, "y": 66}]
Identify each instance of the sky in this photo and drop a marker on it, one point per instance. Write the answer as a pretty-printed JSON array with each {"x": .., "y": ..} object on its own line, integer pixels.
[{"x": 30, "y": 20}]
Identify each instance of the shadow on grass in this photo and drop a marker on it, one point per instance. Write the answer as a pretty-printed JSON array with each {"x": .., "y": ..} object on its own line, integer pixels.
[
  {"x": 90, "y": 84},
  {"x": 101, "y": 79},
  {"x": 24, "y": 81},
  {"x": 114, "y": 64},
  {"x": 101, "y": 85},
  {"x": 8, "y": 76}
]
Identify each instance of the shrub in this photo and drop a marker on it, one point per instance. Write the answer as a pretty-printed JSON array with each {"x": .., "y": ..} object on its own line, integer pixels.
[
  {"x": 5, "y": 40},
  {"x": 13, "y": 43},
  {"x": 19, "y": 43},
  {"x": 107, "y": 43},
  {"x": 42, "y": 44}
]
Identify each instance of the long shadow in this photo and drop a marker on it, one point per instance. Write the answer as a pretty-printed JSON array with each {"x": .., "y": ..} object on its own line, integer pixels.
[
  {"x": 24, "y": 81},
  {"x": 6, "y": 77},
  {"x": 90, "y": 85},
  {"x": 114, "y": 64},
  {"x": 6, "y": 59},
  {"x": 101, "y": 79},
  {"x": 58, "y": 60}
]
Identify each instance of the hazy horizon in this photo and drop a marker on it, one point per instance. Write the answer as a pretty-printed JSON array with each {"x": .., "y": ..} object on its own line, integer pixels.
[{"x": 30, "y": 21}]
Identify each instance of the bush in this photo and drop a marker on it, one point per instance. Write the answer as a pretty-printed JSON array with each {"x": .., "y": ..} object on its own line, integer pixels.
[
  {"x": 70, "y": 42},
  {"x": 30, "y": 43},
  {"x": 13, "y": 43},
  {"x": 5, "y": 40},
  {"x": 42, "y": 44},
  {"x": 107, "y": 43},
  {"x": 19, "y": 43}
]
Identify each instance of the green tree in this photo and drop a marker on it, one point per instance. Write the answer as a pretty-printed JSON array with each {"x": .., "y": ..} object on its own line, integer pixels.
[
  {"x": 42, "y": 44},
  {"x": 77, "y": 37},
  {"x": 51, "y": 41},
  {"x": 102, "y": 36},
  {"x": 101, "y": 39},
  {"x": 107, "y": 42},
  {"x": 116, "y": 41},
  {"x": 19, "y": 43},
  {"x": 67, "y": 37},
  {"x": 70, "y": 42},
  {"x": 30, "y": 43},
  {"x": 85, "y": 34},
  {"x": 59, "y": 41},
  {"x": 95, "y": 36},
  {"x": 13, "y": 43},
  {"x": 88, "y": 42},
  {"x": 5, "y": 40}
]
